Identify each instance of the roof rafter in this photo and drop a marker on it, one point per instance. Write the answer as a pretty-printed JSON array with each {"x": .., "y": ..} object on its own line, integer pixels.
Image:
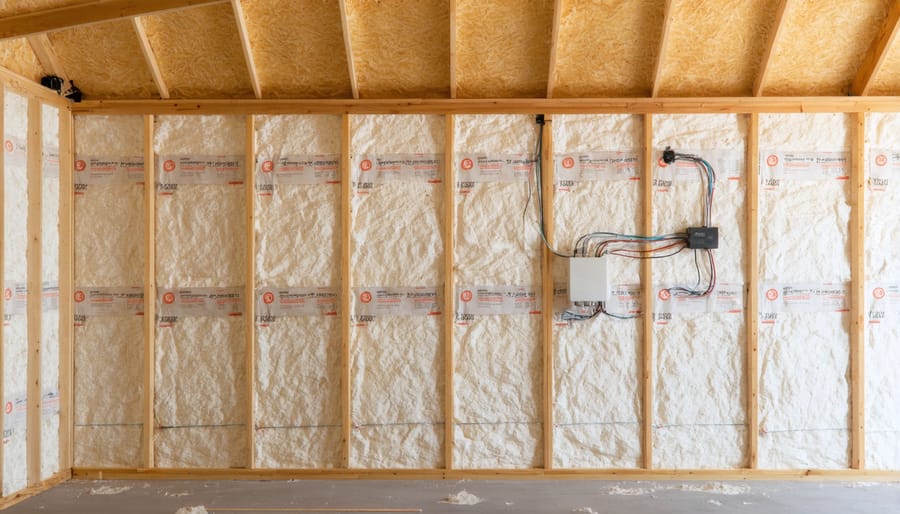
[
  {"x": 877, "y": 50},
  {"x": 348, "y": 47},
  {"x": 87, "y": 13},
  {"x": 774, "y": 34},
  {"x": 663, "y": 44},
  {"x": 43, "y": 49},
  {"x": 554, "y": 40},
  {"x": 150, "y": 57},
  {"x": 245, "y": 45}
]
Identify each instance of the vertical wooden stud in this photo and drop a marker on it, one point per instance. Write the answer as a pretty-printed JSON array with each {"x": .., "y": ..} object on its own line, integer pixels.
[
  {"x": 857, "y": 291},
  {"x": 35, "y": 293},
  {"x": 2, "y": 266},
  {"x": 147, "y": 441},
  {"x": 66, "y": 290},
  {"x": 647, "y": 297},
  {"x": 449, "y": 293},
  {"x": 346, "y": 249},
  {"x": 751, "y": 309},
  {"x": 547, "y": 173},
  {"x": 250, "y": 291}
]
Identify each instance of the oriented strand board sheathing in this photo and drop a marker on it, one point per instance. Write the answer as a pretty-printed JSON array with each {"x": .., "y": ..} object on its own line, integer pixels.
[
  {"x": 597, "y": 389},
  {"x": 297, "y": 47},
  {"x": 109, "y": 242},
  {"x": 607, "y": 47},
  {"x": 400, "y": 47},
  {"x": 17, "y": 56},
  {"x": 498, "y": 357},
  {"x": 882, "y": 353},
  {"x": 714, "y": 48},
  {"x": 201, "y": 364},
  {"x": 298, "y": 411},
  {"x": 396, "y": 364},
  {"x": 699, "y": 419},
  {"x": 806, "y": 62},
  {"x": 503, "y": 48},
  {"x": 104, "y": 60},
  {"x": 199, "y": 52},
  {"x": 23, "y": 6},
  {"x": 804, "y": 393}
]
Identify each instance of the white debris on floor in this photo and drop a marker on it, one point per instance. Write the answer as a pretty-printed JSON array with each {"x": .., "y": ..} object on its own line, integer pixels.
[
  {"x": 109, "y": 490},
  {"x": 463, "y": 498},
  {"x": 200, "y": 509}
]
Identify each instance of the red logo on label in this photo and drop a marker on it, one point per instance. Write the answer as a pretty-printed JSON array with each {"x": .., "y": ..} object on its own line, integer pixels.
[
  {"x": 7, "y": 294},
  {"x": 8, "y": 408},
  {"x": 568, "y": 162},
  {"x": 80, "y": 165},
  {"x": 169, "y": 298},
  {"x": 467, "y": 164},
  {"x": 169, "y": 166},
  {"x": 878, "y": 293},
  {"x": 268, "y": 298},
  {"x": 365, "y": 297},
  {"x": 661, "y": 163},
  {"x": 79, "y": 296},
  {"x": 365, "y": 165},
  {"x": 772, "y": 295},
  {"x": 881, "y": 159},
  {"x": 772, "y": 160},
  {"x": 664, "y": 295},
  {"x": 268, "y": 166},
  {"x": 9, "y": 146},
  {"x": 466, "y": 296}
]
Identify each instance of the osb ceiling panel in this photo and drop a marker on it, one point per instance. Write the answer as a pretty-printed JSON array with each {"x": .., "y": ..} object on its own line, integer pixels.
[
  {"x": 298, "y": 48},
  {"x": 607, "y": 47},
  {"x": 715, "y": 47},
  {"x": 199, "y": 52},
  {"x": 503, "y": 48},
  {"x": 13, "y": 7},
  {"x": 17, "y": 56},
  {"x": 401, "y": 48},
  {"x": 821, "y": 46},
  {"x": 105, "y": 60}
]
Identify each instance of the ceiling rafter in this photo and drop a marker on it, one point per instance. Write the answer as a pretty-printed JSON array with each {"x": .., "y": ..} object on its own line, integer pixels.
[
  {"x": 43, "y": 49},
  {"x": 453, "y": 49},
  {"x": 875, "y": 55},
  {"x": 554, "y": 40},
  {"x": 48, "y": 20},
  {"x": 668, "y": 18},
  {"x": 245, "y": 45},
  {"x": 150, "y": 57},
  {"x": 774, "y": 34},
  {"x": 348, "y": 47}
]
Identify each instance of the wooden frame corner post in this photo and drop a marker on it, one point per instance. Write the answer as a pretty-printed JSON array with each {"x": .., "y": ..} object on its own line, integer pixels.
[
  {"x": 147, "y": 440},
  {"x": 857, "y": 291},
  {"x": 647, "y": 298},
  {"x": 66, "y": 290},
  {"x": 449, "y": 292},
  {"x": 346, "y": 249},
  {"x": 35, "y": 293},
  {"x": 547, "y": 173},
  {"x": 751, "y": 311},
  {"x": 250, "y": 288}
]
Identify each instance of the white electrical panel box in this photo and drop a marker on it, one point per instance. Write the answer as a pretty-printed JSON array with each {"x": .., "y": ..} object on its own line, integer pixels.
[{"x": 587, "y": 279}]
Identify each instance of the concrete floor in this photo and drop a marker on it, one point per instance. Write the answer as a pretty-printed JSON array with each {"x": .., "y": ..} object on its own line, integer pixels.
[{"x": 541, "y": 496}]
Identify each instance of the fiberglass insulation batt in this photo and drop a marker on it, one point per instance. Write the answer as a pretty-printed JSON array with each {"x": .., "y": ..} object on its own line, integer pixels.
[
  {"x": 201, "y": 359},
  {"x": 597, "y": 387},
  {"x": 109, "y": 252},
  {"x": 803, "y": 356},
  {"x": 497, "y": 357},
  {"x": 397, "y": 360},
  {"x": 15, "y": 324},
  {"x": 882, "y": 351},
  {"x": 298, "y": 379},
  {"x": 699, "y": 385}
]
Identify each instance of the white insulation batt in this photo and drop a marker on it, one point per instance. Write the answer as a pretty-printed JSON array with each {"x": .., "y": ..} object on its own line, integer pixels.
[
  {"x": 397, "y": 371},
  {"x": 882, "y": 350},
  {"x": 109, "y": 252},
  {"x": 15, "y": 338},
  {"x": 699, "y": 385},
  {"x": 497, "y": 376},
  {"x": 803, "y": 356},
  {"x": 597, "y": 387},
  {"x": 298, "y": 379},
  {"x": 200, "y": 360}
]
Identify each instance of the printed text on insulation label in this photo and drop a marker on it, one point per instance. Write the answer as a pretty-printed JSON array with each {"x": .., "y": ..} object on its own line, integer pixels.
[
  {"x": 369, "y": 170},
  {"x": 572, "y": 168},
  {"x": 107, "y": 170},
  {"x": 776, "y": 167},
  {"x": 474, "y": 301},
  {"x": 478, "y": 168},
  {"x": 206, "y": 301},
  {"x": 175, "y": 170},
  {"x": 296, "y": 170},
  {"x": 275, "y": 303},
  {"x": 369, "y": 302},
  {"x": 775, "y": 299}
]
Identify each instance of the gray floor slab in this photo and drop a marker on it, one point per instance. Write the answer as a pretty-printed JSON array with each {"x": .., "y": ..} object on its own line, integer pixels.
[{"x": 539, "y": 496}]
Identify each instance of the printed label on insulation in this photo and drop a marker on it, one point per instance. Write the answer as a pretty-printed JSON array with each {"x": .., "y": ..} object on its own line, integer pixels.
[
  {"x": 49, "y": 296},
  {"x": 296, "y": 169},
  {"x": 728, "y": 163},
  {"x": 50, "y": 163},
  {"x": 175, "y": 170},
  {"x": 216, "y": 302},
  {"x": 883, "y": 164},
  {"x": 882, "y": 303},
  {"x": 369, "y": 302},
  {"x": 623, "y": 300},
  {"x": 572, "y": 168},
  {"x": 15, "y": 151},
  {"x": 474, "y": 301},
  {"x": 15, "y": 409},
  {"x": 15, "y": 300},
  {"x": 726, "y": 298},
  {"x": 776, "y": 167},
  {"x": 107, "y": 302},
  {"x": 273, "y": 303},
  {"x": 50, "y": 403},
  {"x": 108, "y": 171},
  {"x": 801, "y": 298},
  {"x": 369, "y": 170},
  {"x": 478, "y": 168}
]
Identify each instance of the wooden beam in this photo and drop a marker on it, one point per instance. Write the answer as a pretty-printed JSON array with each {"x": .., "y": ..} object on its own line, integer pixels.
[
  {"x": 449, "y": 291},
  {"x": 877, "y": 51},
  {"x": 150, "y": 57},
  {"x": 857, "y": 292},
  {"x": 346, "y": 249},
  {"x": 43, "y": 49},
  {"x": 35, "y": 292},
  {"x": 554, "y": 44},
  {"x": 668, "y": 18},
  {"x": 348, "y": 48},
  {"x": 245, "y": 45},
  {"x": 751, "y": 309},
  {"x": 147, "y": 440},
  {"x": 830, "y": 104},
  {"x": 87, "y": 13},
  {"x": 250, "y": 288},
  {"x": 15, "y": 82},
  {"x": 647, "y": 297},
  {"x": 452, "y": 49},
  {"x": 66, "y": 290},
  {"x": 774, "y": 35},
  {"x": 547, "y": 173}
]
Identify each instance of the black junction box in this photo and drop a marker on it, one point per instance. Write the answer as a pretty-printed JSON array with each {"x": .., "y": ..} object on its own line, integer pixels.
[{"x": 703, "y": 238}]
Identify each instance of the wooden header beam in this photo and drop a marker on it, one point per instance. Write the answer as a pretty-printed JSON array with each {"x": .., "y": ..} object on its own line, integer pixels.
[
  {"x": 87, "y": 13},
  {"x": 875, "y": 55},
  {"x": 774, "y": 34}
]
